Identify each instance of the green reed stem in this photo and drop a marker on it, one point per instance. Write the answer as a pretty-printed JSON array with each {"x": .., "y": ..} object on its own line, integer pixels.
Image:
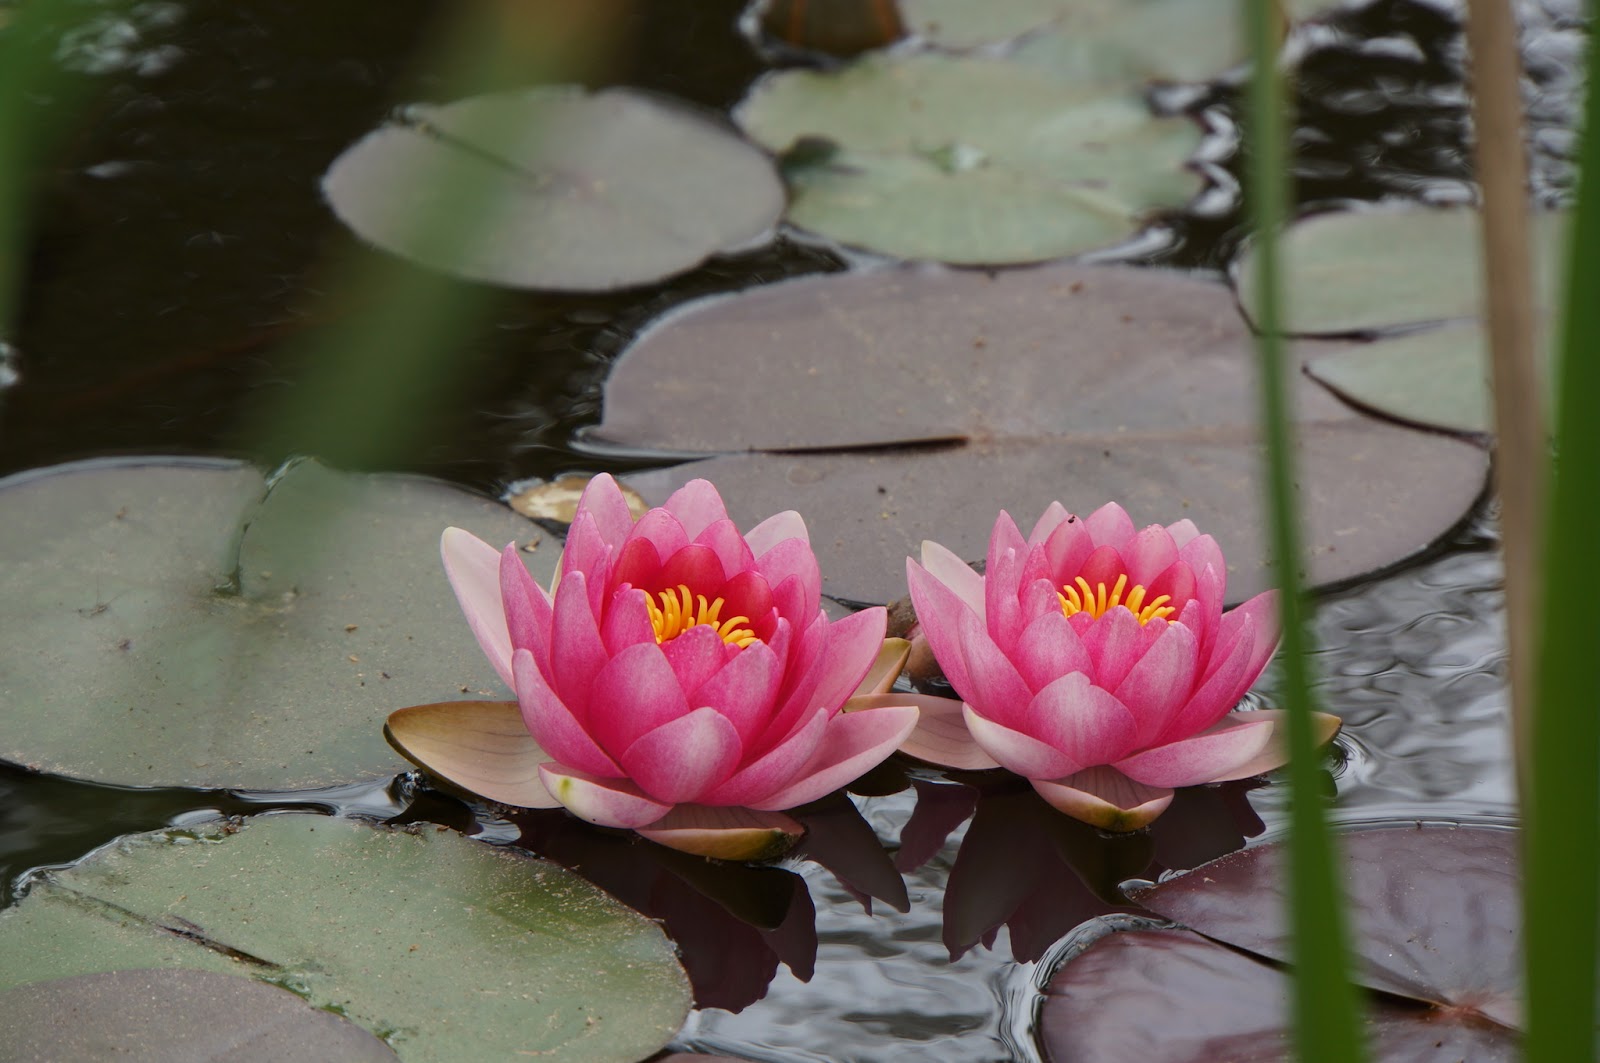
[
  {"x": 1325, "y": 1017},
  {"x": 1561, "y": 817}
]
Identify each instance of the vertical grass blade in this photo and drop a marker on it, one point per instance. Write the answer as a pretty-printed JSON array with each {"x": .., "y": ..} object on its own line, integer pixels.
[
  {"x": 1326, "y": 1023},
  {"x": 1561, "y": 814}
]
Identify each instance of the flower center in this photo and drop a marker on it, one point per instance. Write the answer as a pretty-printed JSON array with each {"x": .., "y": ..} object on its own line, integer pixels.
[
  {"x": 678, "y": 612},
  {"x": 1081, "y": 599}
]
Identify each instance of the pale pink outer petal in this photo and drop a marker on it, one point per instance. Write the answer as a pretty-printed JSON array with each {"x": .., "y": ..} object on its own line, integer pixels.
[
  {"x": 942, "y": 564},
  {"x": 1016, "y": 751},
  {"x": 682, "y": 759},
  {"x": 1084, "y": 723},
  {"x": 608, "y": 802},
  {"x": 1104, "y": 797},
  {"x": 774, "y": 530},
  {"x": 1054, "y": 515},
  {"x": 1276, "y": 755},
  {"x": 603, "y": 499},
  {"x": 1110, "y": 525},
  {"x": 996, "y": 689},
  {"x": 775, "y": 768},
  {"x": 853, "y": 744},
  {"x": 696, "y": 505},
  {"x": 1182, "y": 532},
  {"x": 725, "y": 832},
  {"x": 940, "y": 736},
  {"x": 552, "y": 724},
  {"x": 473, "y": 567},
  {"x": 939, "y": 612},
  {"x": 1207, "y": 757}
]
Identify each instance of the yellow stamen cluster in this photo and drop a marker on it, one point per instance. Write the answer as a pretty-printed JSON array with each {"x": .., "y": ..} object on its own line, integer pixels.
[
  {"x": 1081, "y": 599},
  {"x": 679, "y": 611}
]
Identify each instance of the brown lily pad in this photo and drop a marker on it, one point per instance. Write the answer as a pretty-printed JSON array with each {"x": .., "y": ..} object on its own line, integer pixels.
[
  {"x": 157, "y": 1016},
  {"x": 1172, "y": 996},
  {"x": 1435, "y": 911},
  {"x": 1083, "y": 384}
]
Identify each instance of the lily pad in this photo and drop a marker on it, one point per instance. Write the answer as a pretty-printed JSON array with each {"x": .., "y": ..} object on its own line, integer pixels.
[
  {"x": 194, "y": 623},
  {"x": 969, "y": 160},
  {"x": 587, "y": 192},
  {"x": 1435, "y": 912},
  {"x": 154, "y": 1016},
  {"x": 1365, "y": 270},
  {"x": 1174, "y": 40},
  {"x": 447, "y": 948},
  {"x": 1071, "y": 383},
  {"x": 1216, "y": 1004}
]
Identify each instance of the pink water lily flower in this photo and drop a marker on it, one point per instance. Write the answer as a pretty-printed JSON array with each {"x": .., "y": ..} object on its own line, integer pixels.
[
  {"x": 680, "y": 678},
  {"x": 1095, "y": 659}
]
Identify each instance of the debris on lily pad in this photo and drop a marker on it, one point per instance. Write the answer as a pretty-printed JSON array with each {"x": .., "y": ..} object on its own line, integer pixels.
[
  {"x": 557, "y": 500},
  {"x": 1360, "y": 271},
  {"x": 556, "y": 188},
  {"x": 1435, "y": 915},
  {"x": 158, "y": 1016},
  {"x": 447, "y": 948},
  {"x": 966, "y": 160},
  {"x": 179, "y": 622},
  {"x": 897, "y": 406}
]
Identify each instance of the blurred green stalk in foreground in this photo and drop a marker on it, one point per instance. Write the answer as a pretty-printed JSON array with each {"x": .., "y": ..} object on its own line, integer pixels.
[{"x": 1325, "y": 1018}]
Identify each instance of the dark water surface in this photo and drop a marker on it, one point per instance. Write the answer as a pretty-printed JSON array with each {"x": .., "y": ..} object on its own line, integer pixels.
[{"x": 179, "y": 255}]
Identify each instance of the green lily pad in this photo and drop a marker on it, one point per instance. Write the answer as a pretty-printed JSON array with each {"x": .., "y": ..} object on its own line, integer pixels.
[
  {"x": 191, "y": 623},
  {"x": 153, "y": 1016},
  {"x": 1174, "y": 40},
  {"x": 1438, "y": 378},
  {"x": 1364, "y": 270},
  {"x": 447, "y": 948},
  {"x": 587, "y": 192},
  {"x": 1083, "y": 384},
  {"x": 969, "y": 160}
]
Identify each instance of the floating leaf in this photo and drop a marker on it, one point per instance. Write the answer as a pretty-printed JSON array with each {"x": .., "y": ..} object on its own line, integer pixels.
[
  {"x": 1355, "y": 271},
  {"x": 152, "y": 1016},
  {"x": 594, "y": 192},
  {"x": 1071, "y": 383},
  {"x": 1435, "y": 912},
  {"x": 1171, "y": 996},
  {"x": 969, "y": 160},
  {"x": 447, "y": 948},
  {"x": 186, "y": 623}
]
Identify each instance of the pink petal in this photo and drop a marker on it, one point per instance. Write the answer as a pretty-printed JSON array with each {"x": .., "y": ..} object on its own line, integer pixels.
[
  {"x": 793, "y": 558},
  {"x": 1002, "y": 577},
  {"x": 1202, "y": 551},
  {"x": 576, "y": 651},
  {"x": 1080, "y": 721},
  {"x": 723, "y": 537},
  {"x": 774, "y": 530},
  {"x": 604, "y": 501},
  {"x": 1148, "y": 554},
  {"x": 1104, "y": 565},
  {"x": 663, "y": 531},
  {"x": 682, "y": 759},
  {"x": 608, "y": 802},
  {"x": 1276, "y": 754},
  {"x": 627, "y": 622},
  {"x": 552, "y": 724},
  {"x": 697, "y": 505},
  {"x": 526, "y": 604},
  {"x": 944, "y": 566},
  {"x": 1110, "y": 525},
  {"x": 1216, "y": 695},
  {"x": 638, "y": 564},
  {"x": 1182, "y": 532},
  {"x": 1018, "y": 752},
  {"x": 852, "y": 744},
  {"x": 1159, "y": 685},
  {"x": 635, "y": 692},
  {"x": 725, "y": 832},
  {"x": 797, "y": 696},
  {"x": 1103, "y": 797},
  {"x": 1115, "y": 643},
  {"x": 1048, "y": 650},
  {"x": 1068, "y": 547},
  {"x": 774, "y": 769},
  {"x": 1054, "y": 515},
  {"x": 696, "y": 567},
  {"x": 748, "y": 595},
  {"x": 996, "y": 689},
  {"x": 473, "y": 568},
  {"x": 938, "y": 611},
  {"x": 588, "y": 553},
  {"x": 941, "y": 735},
  {"x": 1210, "y": 755},
  {"x": 853, "y": 644},
  {"x": 695, "y": 656},
  {"x": 1263, "y": 610},
  {"x": 744, "y": 692}
]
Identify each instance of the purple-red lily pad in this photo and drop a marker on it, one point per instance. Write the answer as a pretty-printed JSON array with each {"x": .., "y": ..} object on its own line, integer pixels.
[
  {"x": 901, "y": 405},
  {"x": 1434, "y": 910},
  {"x": 156, "y": 1016}
]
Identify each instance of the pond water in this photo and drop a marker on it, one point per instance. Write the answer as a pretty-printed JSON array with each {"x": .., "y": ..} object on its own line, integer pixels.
[{"x": 180, "y": 242}]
